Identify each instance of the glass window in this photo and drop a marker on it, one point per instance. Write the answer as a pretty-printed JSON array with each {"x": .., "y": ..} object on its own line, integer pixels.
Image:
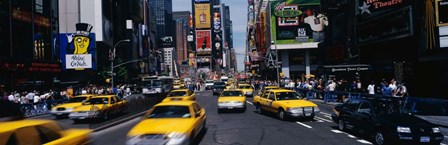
[
  {"x": 47, "y": 135},
  {"x": 271, "y": 96},
  {"x": 5, "y": 37},
  {"x": 177, "y": 94},
  {"x": 288, "y": 96},
  {"x": 170, "y": 112},
  {"x": 22, "y": 37},
  {"x": 352, "y": 105},
  {"x": 231, "y": 94},
  {"x": 365, "y": 108}
]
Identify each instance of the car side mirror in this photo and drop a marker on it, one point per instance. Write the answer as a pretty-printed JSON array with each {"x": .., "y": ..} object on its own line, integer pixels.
[{"x": 198, "y": 114}]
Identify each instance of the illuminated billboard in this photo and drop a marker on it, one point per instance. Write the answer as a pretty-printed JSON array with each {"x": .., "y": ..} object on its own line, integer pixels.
[
  {"x": 203, "y": 42},
  {"x": 202, "y": 16}
]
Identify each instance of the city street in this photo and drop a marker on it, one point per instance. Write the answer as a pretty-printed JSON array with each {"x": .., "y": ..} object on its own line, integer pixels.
[{"x": 250, "y": 128}]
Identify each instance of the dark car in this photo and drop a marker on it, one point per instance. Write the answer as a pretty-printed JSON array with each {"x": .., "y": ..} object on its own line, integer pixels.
[
  {"x": 385, "y": 120},
  {"x": 218, "y": 87}
]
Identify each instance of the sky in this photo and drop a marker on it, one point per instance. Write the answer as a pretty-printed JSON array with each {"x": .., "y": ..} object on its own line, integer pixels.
[{"x": 238, "y": 15}]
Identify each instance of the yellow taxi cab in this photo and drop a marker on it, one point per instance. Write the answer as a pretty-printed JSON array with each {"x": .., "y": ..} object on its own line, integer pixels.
[
  {"x": 267, "y": 88},
  {"x": 232, "y": 99},
  {"x": 247, "y": 89},
  {"x": 180, "y": 95},
  {"x": 169, "y": 123},
  {"x": 41, "y": 132},
  {"x": 99, "y": 107},
  {"x": 63, "y": 110},
  {"x": 178, "y": 84},
  {"x": 286, "y": 104}
]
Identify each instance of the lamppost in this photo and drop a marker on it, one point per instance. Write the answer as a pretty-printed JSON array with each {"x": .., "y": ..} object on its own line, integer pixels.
[{"x": 112, "y": 61}]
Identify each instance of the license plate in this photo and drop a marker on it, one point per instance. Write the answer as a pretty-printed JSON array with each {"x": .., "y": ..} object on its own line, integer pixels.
[
  {"x": 229, "y": 107},
  {"x": 424, "y": 139}
]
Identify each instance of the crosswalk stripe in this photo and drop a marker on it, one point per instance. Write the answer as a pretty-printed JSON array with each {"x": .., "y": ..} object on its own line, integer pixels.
[
  {"x": 322, "y": 119},
  {"x": 325, "y": 113},
  {"x": 307, "y": 126},
  {"x": 249, "y": 103},
  {"x": 336, "y": 131},
  {"x": 328, "y": 116},
  {"x": 364, "y": 141}
]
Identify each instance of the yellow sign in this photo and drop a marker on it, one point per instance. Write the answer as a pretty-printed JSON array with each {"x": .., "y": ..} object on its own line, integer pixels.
[{"x": 202, "y": 16}]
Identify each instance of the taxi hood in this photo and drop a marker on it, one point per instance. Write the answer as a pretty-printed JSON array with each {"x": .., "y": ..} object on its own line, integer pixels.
[
  {"x": 230, "y": 99},
  {"x": 93, "y": 107},
  {"x": 297, "y": 103},
  {"x": 162, "y": 126}
]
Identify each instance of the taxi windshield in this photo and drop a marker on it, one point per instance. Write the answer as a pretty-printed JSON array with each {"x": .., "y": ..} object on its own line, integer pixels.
[
  {"x": 231, "y": 94},
  {"x": 288, "y": 96},
  {"x": 170, "y": 112},
  {"x": 177, "y": 94},
  {"x": 77, "y": 99},
  {"x": 245, "y": 87},
  {"x": 98, "y": 101}
]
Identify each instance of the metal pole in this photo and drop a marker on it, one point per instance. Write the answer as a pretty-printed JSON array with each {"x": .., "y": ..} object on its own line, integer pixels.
[
  {"x": 276, "y": 65},
  {"x": 112, "y": 62}
]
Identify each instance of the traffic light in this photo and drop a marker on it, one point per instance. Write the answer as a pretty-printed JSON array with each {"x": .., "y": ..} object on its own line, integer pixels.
[{"x": 107, "y": 80}]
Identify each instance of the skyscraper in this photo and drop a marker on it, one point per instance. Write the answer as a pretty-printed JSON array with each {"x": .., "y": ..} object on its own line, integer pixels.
[
  {"x": 181, "y": 20},
  {"x": 164, "y": 18}
]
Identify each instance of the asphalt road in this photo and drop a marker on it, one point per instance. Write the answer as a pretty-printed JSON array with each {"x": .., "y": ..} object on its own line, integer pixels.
[{"x": 249, "y": 128}]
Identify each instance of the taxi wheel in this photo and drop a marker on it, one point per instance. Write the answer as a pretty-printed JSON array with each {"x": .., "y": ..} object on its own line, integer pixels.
[
  {"x": 341, "y": 125},
  {"x": 380, "y": 138},
  {"x": 281, "y": 114}
]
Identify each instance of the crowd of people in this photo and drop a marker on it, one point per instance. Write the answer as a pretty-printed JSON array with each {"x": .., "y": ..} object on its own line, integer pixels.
[{"x": 335, "y": 87}]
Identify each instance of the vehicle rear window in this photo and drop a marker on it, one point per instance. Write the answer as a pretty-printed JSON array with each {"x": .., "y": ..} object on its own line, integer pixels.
[
  {"x": 352, "y": 105},
  {"x": 177, "y": 94},
  {"x": 231, "y": 93},
  {"x": 47, "y": 135},
  {"x": 170, "y": 112}
]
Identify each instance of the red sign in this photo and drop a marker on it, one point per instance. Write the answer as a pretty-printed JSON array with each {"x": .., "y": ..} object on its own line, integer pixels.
[
  {"x": 30, "y": 67},
  {"x": 203, "y": 42}
]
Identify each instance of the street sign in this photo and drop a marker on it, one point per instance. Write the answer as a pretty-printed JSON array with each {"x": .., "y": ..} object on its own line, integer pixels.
[{"x": 190, "y": 38}]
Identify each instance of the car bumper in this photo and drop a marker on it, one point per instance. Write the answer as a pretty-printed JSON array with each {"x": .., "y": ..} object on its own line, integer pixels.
[
  {"x": 406, "y": 138},
  {"x": 232, "y": 106},
  {"x": 302, "y": 113},
  {"x": 80, "y": 116},
  {"x": 60, "y": 113}
]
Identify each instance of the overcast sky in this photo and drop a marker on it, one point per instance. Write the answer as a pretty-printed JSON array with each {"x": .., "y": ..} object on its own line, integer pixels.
[{"x": 238, "y": 15}]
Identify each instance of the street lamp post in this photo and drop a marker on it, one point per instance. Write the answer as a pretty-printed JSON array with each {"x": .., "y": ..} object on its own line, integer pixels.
[
  {"x": 112, "y": 61},
  {"x": 276, "y": 64}
]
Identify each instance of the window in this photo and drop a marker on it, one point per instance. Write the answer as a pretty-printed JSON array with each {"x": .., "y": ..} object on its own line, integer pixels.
[
  {"x": 352, "y": 105},
  {"x": 12, "y": 140},
  {"x": 46, "y": 135},
  {"x": 271, "y": 96},
  {"x": 365, "y": 108}
]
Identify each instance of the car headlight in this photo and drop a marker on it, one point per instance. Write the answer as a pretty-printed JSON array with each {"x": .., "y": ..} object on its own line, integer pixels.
[
  {"x": 403, "y": 129},
  {"x": 69, "y": 109},
  {"x": 435, "y": 130},
  {"x": 176, "y": 138}
]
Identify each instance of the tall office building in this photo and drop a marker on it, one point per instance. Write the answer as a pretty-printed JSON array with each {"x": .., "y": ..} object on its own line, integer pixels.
[
  {"x": 181, "y": 20},
  {"x": 228, "y": 28},
  {"x": 164, "y": 18}
]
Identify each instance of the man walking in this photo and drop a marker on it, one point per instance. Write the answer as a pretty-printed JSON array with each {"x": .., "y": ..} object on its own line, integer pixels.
[{"x": 371, "y": 88}]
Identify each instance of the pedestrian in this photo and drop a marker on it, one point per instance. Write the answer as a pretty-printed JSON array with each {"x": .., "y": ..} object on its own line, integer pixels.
[
  {"x": 371, "y": 88},
  {"x": 402, "y": 91},
  {"x": 11, "y": 97}
]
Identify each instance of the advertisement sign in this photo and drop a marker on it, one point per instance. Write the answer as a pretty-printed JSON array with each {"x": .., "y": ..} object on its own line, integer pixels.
[
  {"x": 367, "y": 7},
  {"x": 77, "y": 50},
  {"x": 293, "y": 21},
  {"x": 76, "y": 61},
  {"x": 202, "y": 16},
  {"x": 442, "y": 12},
  {"x": 203, "y": 42},
  {"x": 201, "y": 1}
]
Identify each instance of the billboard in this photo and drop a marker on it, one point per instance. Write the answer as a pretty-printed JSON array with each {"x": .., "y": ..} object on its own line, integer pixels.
[
  {"x": 441, "y": 12},
  {"x": 293, "y": 21},
  {"x": 77, "y": 50},
  {"x": 203, "y": 42},
  {"x": 201, "y": 1},
  {"x": 202, "y": 16}
]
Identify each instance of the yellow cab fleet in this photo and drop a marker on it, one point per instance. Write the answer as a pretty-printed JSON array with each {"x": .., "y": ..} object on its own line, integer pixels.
[
  {"x": 180, "y": 95},
  {"x": 63, "y": 110},
  {"x": 232, "y": 99},
  {"x": 99, "y": 107}
]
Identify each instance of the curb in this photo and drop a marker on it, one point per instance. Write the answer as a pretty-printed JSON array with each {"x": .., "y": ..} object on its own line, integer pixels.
[{"x": 118, "y": 122}]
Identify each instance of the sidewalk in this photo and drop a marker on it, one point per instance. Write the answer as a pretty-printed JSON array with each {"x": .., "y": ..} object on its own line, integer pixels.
[{"x": 441, "y": 121}]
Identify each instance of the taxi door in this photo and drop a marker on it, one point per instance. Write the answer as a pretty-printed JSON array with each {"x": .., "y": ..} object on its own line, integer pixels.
[
  {"x": 264, "y": 101},
  {"x": 27, "y": 136},
  {"x": 199, "y": 118}
]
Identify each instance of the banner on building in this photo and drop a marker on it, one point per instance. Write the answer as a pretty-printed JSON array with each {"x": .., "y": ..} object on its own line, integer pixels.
[
  {"x": 202, "y": 16},
  {"x": 442, "y": 12},
  {"x": 294, "y": 21},
  {"x": 77, "y": 50},
  {"x": 203, "y": 42}
]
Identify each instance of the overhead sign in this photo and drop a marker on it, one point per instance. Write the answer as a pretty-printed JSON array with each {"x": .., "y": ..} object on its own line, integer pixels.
[
  {"x": 442, "y": 12},
  {"x": 190, "y": 38},
  {"x": 368, "y": 7},
  {"x": 203, "y": 42},
  {"x": 76, "y": 61},
  {"x": 202, "y": 16},
  {"x": 200, "y": 1}
]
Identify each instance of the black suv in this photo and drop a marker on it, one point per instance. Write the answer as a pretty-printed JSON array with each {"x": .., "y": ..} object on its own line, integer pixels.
[
  {"x": 218, "y": 87},
  {"x": 385, "y": 120}
]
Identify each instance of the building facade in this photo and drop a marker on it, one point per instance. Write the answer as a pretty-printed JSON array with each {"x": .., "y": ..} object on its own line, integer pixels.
[
  {"x": 169, "y": 59},
  {"x": 182, "y": 30},
  {"x": 29, "y": 58},
  {"x": 164, "y": 18}
]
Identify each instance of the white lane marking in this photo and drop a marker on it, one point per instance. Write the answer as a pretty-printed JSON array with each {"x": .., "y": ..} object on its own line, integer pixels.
[
  {"x": 446, "y": 136},
  {"x": 249, "y": 103},
  {"x": 325, "y": 113},
  {"x": 351, "y": 136},
  {"x": 322, "y": 119},
  {"x": 364, "y": 141},
  {"x": 442, "y": 144},
  {"x": 318, "y": 120},
  {"x": 337, "y": 131},
  {"x": 307, "y": 126},
  {"x": 328, "y": 116}
]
